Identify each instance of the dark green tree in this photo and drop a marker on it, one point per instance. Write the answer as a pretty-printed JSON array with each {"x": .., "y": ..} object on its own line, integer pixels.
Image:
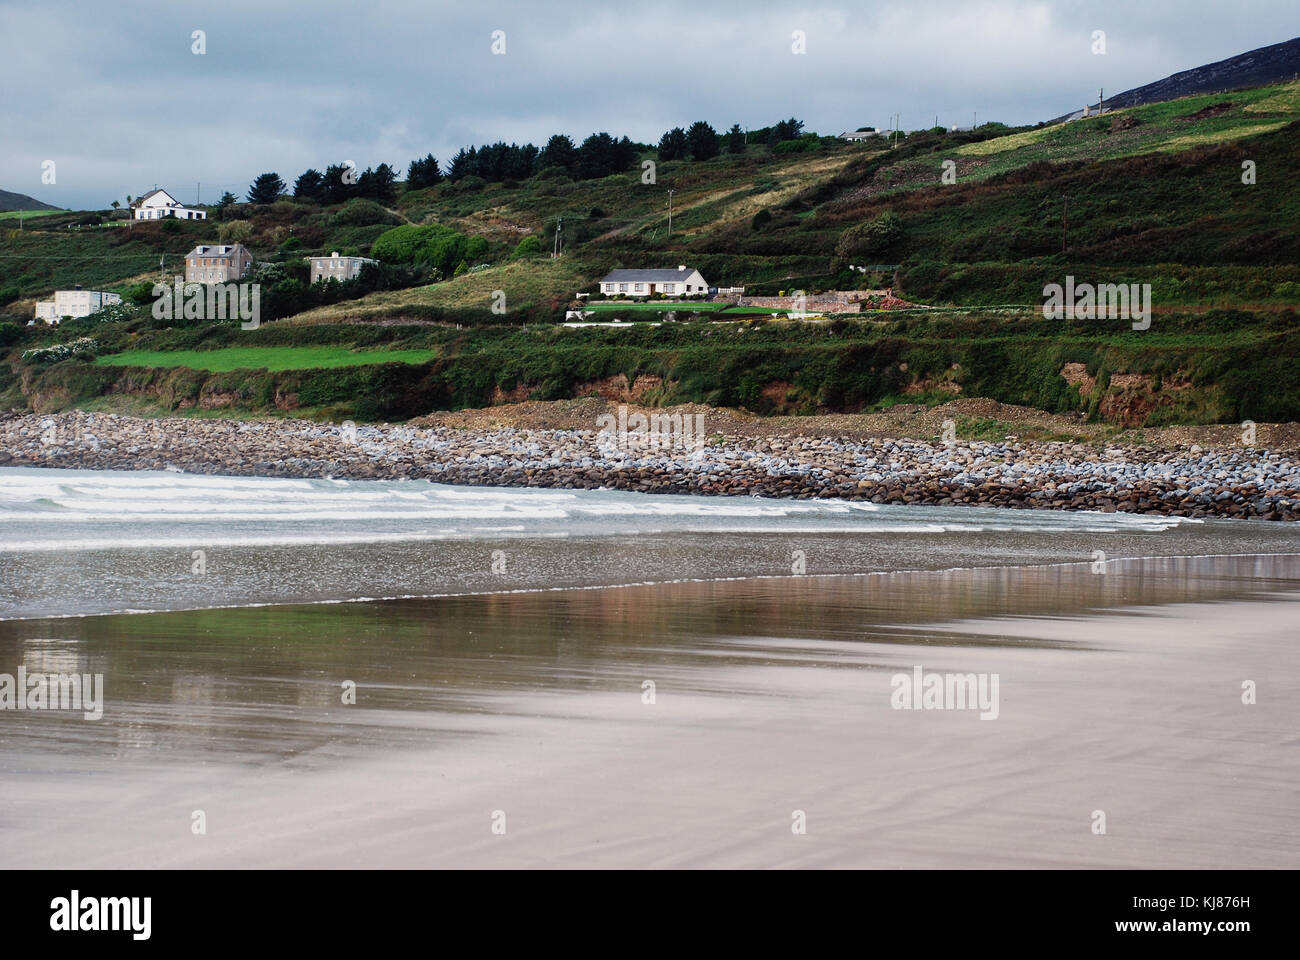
[
  {"x": 309, "y": 185},
  {"x": 423, "y": 173},
  {"x": 379, "y": 184},
  {"x": 672, "y": 145},
  {"x": 702, "y": 141},
  {"x": 463, "y": 164},
  {"x": 267, "y": 188},
  {"x": 336, "y": 187},
  {"x": 735, "y": 139},
  {"x": 601, "y": 155},
  {"x": 558, "y": 152}
]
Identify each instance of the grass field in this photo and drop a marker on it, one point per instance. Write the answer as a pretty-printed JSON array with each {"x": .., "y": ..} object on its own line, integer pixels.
[
  {"x": 662, "y": 307},
  {"x": 27, "y": 214},
  {"x": 522, "y": 283},
  {"x": 273, "y": 359}
]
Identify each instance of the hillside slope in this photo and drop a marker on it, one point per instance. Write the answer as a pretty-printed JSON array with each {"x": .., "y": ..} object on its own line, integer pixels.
[
  {"x": 1275, "y": 63},
  {"x": 20, "y": 201}
]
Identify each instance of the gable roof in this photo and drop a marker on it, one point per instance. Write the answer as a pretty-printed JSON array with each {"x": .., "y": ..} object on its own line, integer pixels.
[
  {"x": 648, "y": 276},
  {"x": 139, "y": 200},
  {"x": 218, "y": 250}
]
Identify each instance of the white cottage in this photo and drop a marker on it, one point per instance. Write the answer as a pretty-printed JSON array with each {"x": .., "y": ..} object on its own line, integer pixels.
[
  {"x": 157, "y": 204},
  {"x": 682, "y": 282}
]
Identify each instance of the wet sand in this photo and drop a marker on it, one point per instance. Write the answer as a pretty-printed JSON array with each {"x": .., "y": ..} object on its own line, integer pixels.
[{"x": 1118, "y": 693}]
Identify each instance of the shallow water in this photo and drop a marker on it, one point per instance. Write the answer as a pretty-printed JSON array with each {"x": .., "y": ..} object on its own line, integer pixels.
[
  {"x": 1119, "y": 691},
  {"x": 74, "y": 543}
]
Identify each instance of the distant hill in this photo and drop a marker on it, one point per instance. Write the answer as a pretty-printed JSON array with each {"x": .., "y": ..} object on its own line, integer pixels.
[
  {"x": 1272, "y": 64},
  {"x": 20, "y": 201}
]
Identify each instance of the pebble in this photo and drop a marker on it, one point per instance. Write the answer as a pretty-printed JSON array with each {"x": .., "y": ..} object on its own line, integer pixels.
[{"x": 1186, "y": 481}]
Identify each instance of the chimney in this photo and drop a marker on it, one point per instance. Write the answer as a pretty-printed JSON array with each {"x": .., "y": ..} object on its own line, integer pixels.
[
  {"x": 334, "y": 255},
  {"x": 681, "y": 266}
]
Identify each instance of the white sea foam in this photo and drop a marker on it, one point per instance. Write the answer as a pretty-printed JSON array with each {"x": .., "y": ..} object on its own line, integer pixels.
[{"x": 43, "y": 510}]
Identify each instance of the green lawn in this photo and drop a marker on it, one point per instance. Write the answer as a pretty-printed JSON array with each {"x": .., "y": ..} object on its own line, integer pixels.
[
  {"x": 688, "y": 307},
  {"x": 694, "y": 307},
  {"x": 27, "y": 214},
  {"x": 265, "y": 358}
]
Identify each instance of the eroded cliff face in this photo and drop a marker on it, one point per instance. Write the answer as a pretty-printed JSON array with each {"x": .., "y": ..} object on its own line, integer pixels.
[{"x": 1130, "y": 399}]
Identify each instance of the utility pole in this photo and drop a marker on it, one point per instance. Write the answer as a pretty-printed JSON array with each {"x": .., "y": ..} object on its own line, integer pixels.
[
  {"x": 974, "y": 120},
  {"x": 1101, "y": 98},
  {"x": 1065, "y": 220},
  {"x": 559, "y": 225},
  {"x": 670, "y": 213},
  {"x": 197, "y": 185}
]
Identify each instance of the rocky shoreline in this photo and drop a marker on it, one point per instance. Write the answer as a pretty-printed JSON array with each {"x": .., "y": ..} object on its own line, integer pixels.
[{"x": 1186, "y": 481}]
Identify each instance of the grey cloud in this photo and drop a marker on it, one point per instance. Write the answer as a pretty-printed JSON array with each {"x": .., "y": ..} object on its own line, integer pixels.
[{"x": 113, "y": 94}]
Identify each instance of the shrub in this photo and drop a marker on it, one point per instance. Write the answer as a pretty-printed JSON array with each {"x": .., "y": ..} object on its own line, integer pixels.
[
  {"x": 362, "y": 213},
  {"x": 871, "y": 239},
  {"x": 54, "y": 353},
  {"x": 234, "y": 231},
  {"x": 529, "y": 246}
]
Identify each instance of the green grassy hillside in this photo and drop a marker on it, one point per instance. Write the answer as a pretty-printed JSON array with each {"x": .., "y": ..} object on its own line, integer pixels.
[{"x": 1153, "y": 194}]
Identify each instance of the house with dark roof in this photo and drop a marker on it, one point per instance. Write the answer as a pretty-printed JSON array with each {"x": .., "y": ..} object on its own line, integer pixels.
[
  {"x": 682, "y": 282},
  {"x": 157, "y": 204}
]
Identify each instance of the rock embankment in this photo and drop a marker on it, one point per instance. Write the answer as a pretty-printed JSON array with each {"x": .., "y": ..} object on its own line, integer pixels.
[{"x": 1187, "y": 481}]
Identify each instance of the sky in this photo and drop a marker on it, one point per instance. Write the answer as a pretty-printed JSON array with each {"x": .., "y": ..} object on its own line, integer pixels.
[{"x": 109, "y": 100}]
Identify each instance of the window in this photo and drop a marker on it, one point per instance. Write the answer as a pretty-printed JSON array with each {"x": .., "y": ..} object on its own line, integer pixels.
[
  {"x": 622, "y": 288},
  {"x": 670, "y": 288},
  {"x": 639, "y": 287}
]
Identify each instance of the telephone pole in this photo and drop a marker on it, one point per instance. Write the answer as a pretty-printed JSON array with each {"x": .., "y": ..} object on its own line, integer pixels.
[
  {"x": 559, "y": 225},
  {"x": 1065, "y": 220},
  {"x": 670, "y": 213}
]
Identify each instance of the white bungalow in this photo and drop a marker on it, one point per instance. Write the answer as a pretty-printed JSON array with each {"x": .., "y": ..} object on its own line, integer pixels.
[{"x": 682, "y": 282}]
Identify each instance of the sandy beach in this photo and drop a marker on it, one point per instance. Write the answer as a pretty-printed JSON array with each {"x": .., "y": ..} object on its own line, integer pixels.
[{"x": 772, "y": 707}]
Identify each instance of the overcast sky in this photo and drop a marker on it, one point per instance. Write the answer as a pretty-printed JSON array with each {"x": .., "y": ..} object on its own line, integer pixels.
[{"x": 114, "y": 95}]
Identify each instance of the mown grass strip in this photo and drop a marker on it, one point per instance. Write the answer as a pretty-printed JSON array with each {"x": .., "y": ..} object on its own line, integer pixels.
[{"x": 265, "y": 358}]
